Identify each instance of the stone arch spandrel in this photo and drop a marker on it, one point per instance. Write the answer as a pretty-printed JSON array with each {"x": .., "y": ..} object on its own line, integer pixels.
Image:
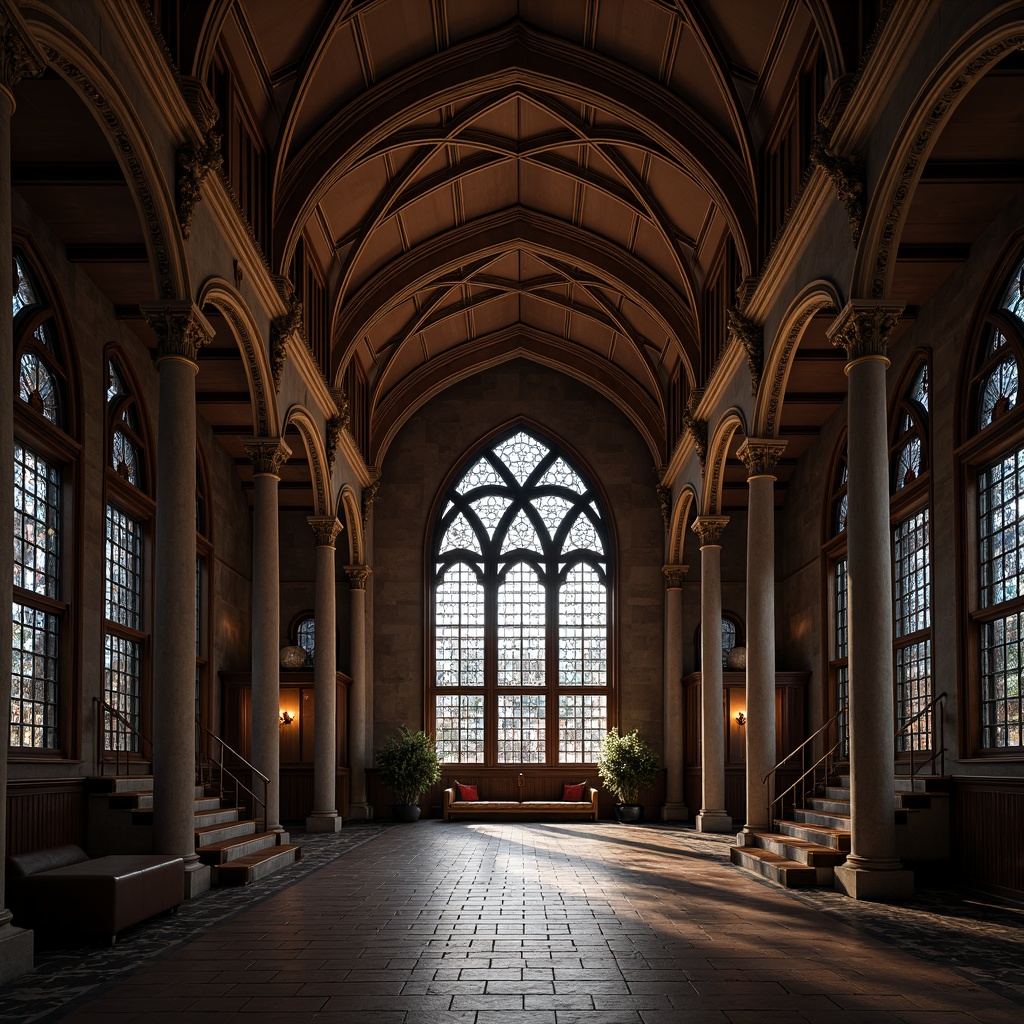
[
  {"x": 349, "y": 513},
  {"x": 685, "y": 503},
  {"x": 714, "y": 469},
  {"x": 301, "y": 419}
]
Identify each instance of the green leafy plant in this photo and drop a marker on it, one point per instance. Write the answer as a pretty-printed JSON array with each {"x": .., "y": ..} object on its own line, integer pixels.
[
  {"x": 408, "y": 765},
  {"x": 626, "y": 765}
]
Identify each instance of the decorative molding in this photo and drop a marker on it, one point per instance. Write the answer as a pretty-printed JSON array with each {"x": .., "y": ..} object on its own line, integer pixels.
[
  {"x": 358, "y": 575},
  {"x": 344, "y": 412},
  {"x": 325, "y": 529},
  {"x": 863, "y": 328},
  {"x": 200, "y": 103},
  {"x": 665, "y": 499},
  {"x": 761, "y": 456},
  {"x": 709, "y": 529},
  {"x": 674, "y": 575},
  {"x": 19, "y": 56},
  {"x": 750, "y": 335},
  {"x": 194, "y": 163},
  {"x": 696, "y": 428},
  {"x": 335, "y": 425},
  {"x": 268, "y": 455},
  {"x": 180, "y": 329},
  {"x": 846, "y": 174},
  {"x": 370, "y": 496},
  {"x": 284, "y": 327}
]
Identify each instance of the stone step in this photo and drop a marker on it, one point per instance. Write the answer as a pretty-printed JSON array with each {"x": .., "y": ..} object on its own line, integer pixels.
[
  {"x": 814, "y": 817},
  {"x": 235, "y": 848},
  {"x": 784, "y": 872},
  {"x": 832, "y": 838},
  {"x": 257, "y": 865},
  {"x": 803, "y": 851},
  {"x": 217, "y": 816},
  {"x": 121, "y": 784},
  {"x": 207, "y": 803},
  {"x": 208, "y": 834},
  {"x": 131, "y": 801},
  {"x": 836, "y": 793},
  {"x": 819, "y": 803}
]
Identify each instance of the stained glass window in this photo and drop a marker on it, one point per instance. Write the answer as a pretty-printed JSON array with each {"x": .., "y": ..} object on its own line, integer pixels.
[{"x": 521, "y": 610}]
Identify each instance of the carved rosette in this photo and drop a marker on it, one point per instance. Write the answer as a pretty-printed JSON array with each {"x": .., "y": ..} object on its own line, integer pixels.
[
  {"x": 268, "y": 455},
  {"x": 709, "y": 529},
  {"x": 846, "y": 174},
  {"x": 751, "y": 336},
  {"x": 195, "y": 161},
  {"x": 181, "y": 330},
  {"x": 761, "y": 456},
  {"x": 370, "y": 497},
  {"x": 674, "y": 575},
  {"x": 19, "y": 57},
  {"x": 325, "y": 530},
  {"x": 358, "y": 575},
  {"x": 863, "y": 328}
]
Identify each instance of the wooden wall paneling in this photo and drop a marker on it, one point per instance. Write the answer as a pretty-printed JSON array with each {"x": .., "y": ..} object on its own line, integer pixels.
[
  {"x": 41, "y": 814},
  {"x": 987, "y": 825}
]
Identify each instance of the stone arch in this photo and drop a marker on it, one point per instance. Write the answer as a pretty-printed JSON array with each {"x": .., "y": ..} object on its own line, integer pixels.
[
  {"x": 227, "y": 301},
  {"x": 348, "y": 506},
  {"x": 714, "y": 468},
  {"x": 962, "y": 67},
  {"x": 685, "y": 503},
  {"x": 813, "y": 298},
  {"x": 301, "y": 419}
]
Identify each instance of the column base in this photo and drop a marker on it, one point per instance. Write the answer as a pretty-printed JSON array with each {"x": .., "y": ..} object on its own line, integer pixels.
[
  {"x": 889, "y": 885},
  {"x": 360, "y": 812},
  {"x": 16, "y": 951},
  {"x": 748, "y": 836},
  {"x": 714, "y": 821},
  {"x": 197, "y": 879},
  {"x": 675, "y": 812},
  {"x": 324, "y": 822}
]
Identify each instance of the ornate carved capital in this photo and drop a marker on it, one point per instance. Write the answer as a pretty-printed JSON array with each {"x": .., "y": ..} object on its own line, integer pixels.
[
  {"x": 674, "y": 575},
  {"x": 761, "y": 456},
  {"x": 698, "y": 430},
  {"x": 751, "y": 336},
  {"x": 358, "y": 575},
  {"x": 194, "y": 163},
  {"x": 846, "y": 174},
  {"x": 325, "y": 529},
  {"x": 19, "y": 56},
  {"x": 370, "y": 497},
  {"x": 709, "y": 529},
  {"x": 268, "y": 455},
  {"x": 283, "y": 328},
  {"x": 863, "y": 328},
  {"x": 180, "y": 329}
]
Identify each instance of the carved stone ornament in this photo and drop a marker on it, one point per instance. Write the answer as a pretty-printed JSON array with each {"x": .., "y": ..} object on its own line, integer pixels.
[
  {"x": 334, "y": 428},
  {"x": 369, "y": 497},
  {"x": 665, "y": 499},
  {"x": 199, "y": 102},
  {"x": 358, "y": 575},
  {"x": 674, "y": 575},
  {"x": 180, "y": 329},
  {"x": 751, "y": 336},
  {"x": 325, "y": 529},
  {"x": 268, "y": 455},
  {"x": 863, "y": 329},
  {"x": 282, "y": 328},
  {"x": 761, "y": 456},
  {"x": 709, "y": 529},
  {"x": 194, "y": 163},
  {"x": 846, "y": 175},
  {"x": 699, "y": 432},
  {"x": 19, "y": 57}
]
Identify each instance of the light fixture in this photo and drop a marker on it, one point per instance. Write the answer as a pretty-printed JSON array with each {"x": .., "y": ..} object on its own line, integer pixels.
[
  {"x": 287, "y": 718},
  {"x": 741, "y": 718}
]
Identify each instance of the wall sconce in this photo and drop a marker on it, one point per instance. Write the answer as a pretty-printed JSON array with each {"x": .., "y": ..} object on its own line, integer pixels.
[
  {"x": 287, "y": 718},
  {"x": 741, "y": 718}
]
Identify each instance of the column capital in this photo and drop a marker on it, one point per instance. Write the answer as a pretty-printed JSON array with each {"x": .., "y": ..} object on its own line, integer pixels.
[
  {"x": 268, "y": 455},
  {"x": 674, "y": 575},
  {"x": 20, "y": 57},
  {"x": 180, "y": 329},
  {"x": 358, "y": 575},
  {"x": 761, "y": 456},
  {"x": 863, "y": 328},
  {"x": 325, "y": 529},
  {"x": 709, "y": 529}
]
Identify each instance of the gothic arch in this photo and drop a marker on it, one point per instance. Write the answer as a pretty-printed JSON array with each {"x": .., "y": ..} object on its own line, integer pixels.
[
  {"x": 348, "y": 507},
  {"x": 300, "y": 418},
  {"x": 714, "y": 468},
  {"x": 685, "y": 503}
]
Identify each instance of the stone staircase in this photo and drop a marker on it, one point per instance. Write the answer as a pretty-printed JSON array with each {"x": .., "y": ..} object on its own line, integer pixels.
[
  {"x": 121, "y": 819},
  {"x": 804, "y": 852}
]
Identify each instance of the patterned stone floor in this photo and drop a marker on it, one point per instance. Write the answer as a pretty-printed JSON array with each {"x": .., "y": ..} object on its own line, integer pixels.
[{"x": 539, "y": 924}]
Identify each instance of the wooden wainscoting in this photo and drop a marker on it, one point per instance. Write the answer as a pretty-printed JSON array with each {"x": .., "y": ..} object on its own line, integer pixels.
[
  {"x": 987, "y": 826},
  {"x": 44, "y": 813}
]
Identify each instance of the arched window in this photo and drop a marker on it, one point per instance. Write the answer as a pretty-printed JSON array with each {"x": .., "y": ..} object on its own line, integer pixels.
[
  {"x": 45, "y": 455},
  {"x": 993, "y": 467},
  {"x": 303, "y": 633},
  {"x": 837, "y": 682},
  {"x": 521, "y": 599},
  {"x": 732, "y": 636},
  {"x": 911, "y": 540}
]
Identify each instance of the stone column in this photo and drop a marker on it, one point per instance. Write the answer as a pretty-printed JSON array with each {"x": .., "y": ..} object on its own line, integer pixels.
[
  {"x": 760, "y": 457},
  {"x": 712, "y": 816},
  {"x": 872, "y": 870},
  {"x": 358, "y": 709},
  {"x": 268, "y": 454},
  {"x": 675, "y": 808},
  {"x": 180, "y": 330},
  {"x": 325, "y": 817},
  {"x": 18, "y": 58}
]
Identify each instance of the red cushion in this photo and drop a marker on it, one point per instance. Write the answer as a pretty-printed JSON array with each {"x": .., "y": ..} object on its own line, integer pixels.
[
  {"x": 465, "y": 792},
  {"x": 577, "y": 792}
]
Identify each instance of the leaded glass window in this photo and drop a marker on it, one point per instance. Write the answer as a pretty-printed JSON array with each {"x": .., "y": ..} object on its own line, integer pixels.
[
  {"x": 521, "y": 610},
  {"x": 305, "y": 637},
  {"x": 125, "y": 437}
]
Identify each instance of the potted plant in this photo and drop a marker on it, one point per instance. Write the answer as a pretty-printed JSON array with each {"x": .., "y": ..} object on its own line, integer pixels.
[
  {"x": 627, "y": 765},
  {"x": 408, "y": 766}
]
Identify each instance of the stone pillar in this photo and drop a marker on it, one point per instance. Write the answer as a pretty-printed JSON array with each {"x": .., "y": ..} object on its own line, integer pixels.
[
  {"x": 675, "y": 808},
  {"x": 18, "y": 58},
  {"x": 180, "y": 330},
  {"x": 358, "y": 708},
  {"x": 872, "y": 870},
  {"x": 760, "y": 457},
  {"x": 268, "y": 454},
  {"x": 712, "y": 816},
  {"x": 325, "y": 817}
]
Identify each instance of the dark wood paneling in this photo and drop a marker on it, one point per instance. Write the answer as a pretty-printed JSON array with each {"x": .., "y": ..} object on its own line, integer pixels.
[
  {"x": 44, "y": 814},
  {"x": 987, "y": 826}
]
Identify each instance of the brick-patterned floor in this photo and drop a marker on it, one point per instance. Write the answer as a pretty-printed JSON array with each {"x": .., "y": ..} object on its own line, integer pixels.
[{"x": 539, "y": 924}]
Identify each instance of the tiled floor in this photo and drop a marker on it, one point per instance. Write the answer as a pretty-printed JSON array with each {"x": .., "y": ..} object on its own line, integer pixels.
[{"x": 569, "y": 924}]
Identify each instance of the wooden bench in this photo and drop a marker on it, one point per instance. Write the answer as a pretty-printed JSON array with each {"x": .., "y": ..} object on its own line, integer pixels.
[{"x": 520, "y": 808}]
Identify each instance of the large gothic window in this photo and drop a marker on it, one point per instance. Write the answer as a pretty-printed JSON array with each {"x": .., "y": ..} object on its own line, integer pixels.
[{"x": 521, "y": 610}]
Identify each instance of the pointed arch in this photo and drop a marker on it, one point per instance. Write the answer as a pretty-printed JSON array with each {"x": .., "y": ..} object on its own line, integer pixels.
[
  {"x": 685, "y": 503},
  {"x": 714, "y": 468},
  {"x": 347, "y": 505},
  {"x": 300, "y": 418}
]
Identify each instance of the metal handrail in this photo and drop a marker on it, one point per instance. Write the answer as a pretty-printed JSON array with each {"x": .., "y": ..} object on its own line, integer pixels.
[
  {"x": 204, "y": 754},
  {"x": 939, "y": 750},
  {"x": 105, "y": 731},
  {"x": 810, "y": 739}
]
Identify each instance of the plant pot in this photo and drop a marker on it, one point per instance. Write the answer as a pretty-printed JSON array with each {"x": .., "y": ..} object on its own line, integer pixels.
[
  {"x": 405, "y": 812},
  {"x": 629, "y": 812}
]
